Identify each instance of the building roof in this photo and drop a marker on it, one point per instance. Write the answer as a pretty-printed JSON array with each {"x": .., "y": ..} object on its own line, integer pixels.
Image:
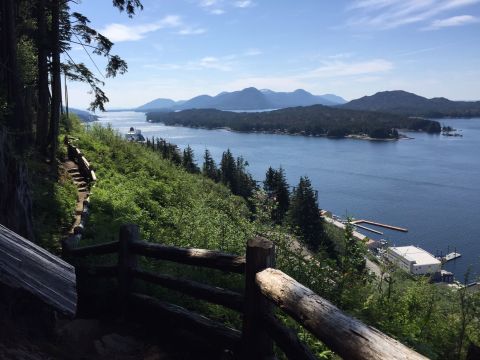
[{"x": 413, "y": 253}]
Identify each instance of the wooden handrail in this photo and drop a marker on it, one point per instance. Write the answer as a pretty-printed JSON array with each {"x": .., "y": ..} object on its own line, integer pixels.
[
  {"x": 198, "y": 290},
  {"x": 346, "y": 336},
  {"x": 100, "y": 249},
  {"x": 97, "y": 271},
  {"x": 177, "y": 316},
  {"x": 191, "y": 256}
]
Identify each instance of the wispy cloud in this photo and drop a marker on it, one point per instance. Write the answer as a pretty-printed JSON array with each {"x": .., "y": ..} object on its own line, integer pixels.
[
  {"x": 342, "y": 68},
  {"x": 120, "y": 32},
  {"x": 243, "y": 3},
  {"x": 220, "y": 63},
  {"x": 191, "y": 31},
  {"x": 387, "y": 14},
  {"x": 207, "y": 62},
  {"x": 358, "y": 71},
  {"x": 452, "y": 21},
  {"x": 214, "y": 7}
]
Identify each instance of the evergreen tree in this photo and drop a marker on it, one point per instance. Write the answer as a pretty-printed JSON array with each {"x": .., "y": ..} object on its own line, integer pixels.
[
  {"x": 276, "y": 187},
  {"x": 228, "y": 171},
  {"x": 188, "y": 161},
  {"x": 245, "y": 182},
  {"x": 282, "y": 196},
  {"x": 209, "y": 167},
  {"x": 269, "y": 183},
  {"x": 304, "y": 217}
]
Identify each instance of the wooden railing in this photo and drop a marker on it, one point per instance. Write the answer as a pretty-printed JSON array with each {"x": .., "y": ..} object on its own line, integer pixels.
[
  {"x": 265, "y": 287},
  {"x": 84, "y": 166}
]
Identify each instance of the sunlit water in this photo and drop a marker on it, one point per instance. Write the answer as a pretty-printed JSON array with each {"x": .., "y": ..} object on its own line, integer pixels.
[{"x": 429, "y": 184}]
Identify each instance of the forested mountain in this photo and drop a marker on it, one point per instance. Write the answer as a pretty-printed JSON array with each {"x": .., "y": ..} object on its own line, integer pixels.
[
  {"x": 246, "y": 99},
  {"x": 311, "y": 120},
  {"x": 405, "y": 103},
  {"x": 157, "y": 104},
  {"x": 85, "y": 116}
]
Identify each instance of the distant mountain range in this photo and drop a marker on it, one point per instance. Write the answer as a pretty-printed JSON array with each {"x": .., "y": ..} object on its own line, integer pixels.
[
  {"x": 246, "y": 99},
  {"x": 405, "y": 103}
]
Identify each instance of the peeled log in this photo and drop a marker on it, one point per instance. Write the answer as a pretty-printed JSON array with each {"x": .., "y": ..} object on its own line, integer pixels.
[
  {"x": 348, "y": 337},
  {"x": 28, "y": 266}
]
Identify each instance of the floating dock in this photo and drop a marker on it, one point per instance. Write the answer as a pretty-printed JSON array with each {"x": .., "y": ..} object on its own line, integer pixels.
[
  {"x": 391, "y": 227},
  {"x": 369, "y": 229},
  {"x": 449, "y": 257}
]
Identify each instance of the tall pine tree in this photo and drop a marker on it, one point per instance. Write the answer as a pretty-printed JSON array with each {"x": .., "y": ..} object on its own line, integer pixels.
[
  {"x": 209, "y": 167},
  {"x": 276, "y": 187},
  {"x": 188, "y": 161},
  {"x": 304, "y": 217}
]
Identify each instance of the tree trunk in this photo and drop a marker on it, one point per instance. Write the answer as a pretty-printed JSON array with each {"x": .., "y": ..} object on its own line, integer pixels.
[
  {"x": 16, "y": 121},
  {"x": 56, "y": 80},
  {"x": 43, "y": 96}
]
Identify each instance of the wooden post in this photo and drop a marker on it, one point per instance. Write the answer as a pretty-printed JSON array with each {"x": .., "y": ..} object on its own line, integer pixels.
[
  {"x": 127, "y": 260},
  {"x": 256, "y": 342}
]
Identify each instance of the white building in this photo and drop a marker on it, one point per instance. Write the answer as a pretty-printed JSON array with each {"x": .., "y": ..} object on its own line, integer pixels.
[{"x": 414, "y": 260}]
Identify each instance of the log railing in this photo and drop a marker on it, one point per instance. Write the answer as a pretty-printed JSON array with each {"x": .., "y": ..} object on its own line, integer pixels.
[
  {"x": 84, "y": 166},
  {"x": 265, "y": 288}
]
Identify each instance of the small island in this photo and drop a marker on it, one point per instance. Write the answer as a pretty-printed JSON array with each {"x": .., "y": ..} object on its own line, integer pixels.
[{"x": 316, "y": 120}]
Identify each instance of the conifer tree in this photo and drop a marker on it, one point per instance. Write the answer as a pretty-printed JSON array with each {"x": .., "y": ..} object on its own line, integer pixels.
[
  {"x": 228, "y": 171},
  {"x": 209, "y": 167},
  {"x": 304, "y": 217},
  {"x": 276, "y": 187},
  {"x": 188, "y": 161}
]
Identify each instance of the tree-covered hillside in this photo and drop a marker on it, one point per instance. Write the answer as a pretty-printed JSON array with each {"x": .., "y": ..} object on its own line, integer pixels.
[
  {"x": 314, "y": 120},
  {"x": 405, "y": 103}
]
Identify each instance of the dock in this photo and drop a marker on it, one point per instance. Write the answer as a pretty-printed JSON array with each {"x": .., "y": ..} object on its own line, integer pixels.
[
  {"x": 450, "y": 256},
  {"x": 391, "y": 227},
  {"x": 369, "y": 229}
]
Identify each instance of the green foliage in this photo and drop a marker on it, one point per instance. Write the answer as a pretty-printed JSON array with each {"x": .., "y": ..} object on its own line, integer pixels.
[
  {"x": 54, "y": 199},
  {"x": 136, "y": 185}
]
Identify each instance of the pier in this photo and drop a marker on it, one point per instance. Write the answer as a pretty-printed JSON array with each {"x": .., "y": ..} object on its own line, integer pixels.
[
  {"x": 391, "y": 227},
  {"x": 369, "y": 229},
  {"x": 449, "y": 257}
]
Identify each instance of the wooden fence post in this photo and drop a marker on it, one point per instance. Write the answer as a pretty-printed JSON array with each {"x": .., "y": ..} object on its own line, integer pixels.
[
  {"x": 127, "y": 261},
  {"x": 256, "y": 342}
]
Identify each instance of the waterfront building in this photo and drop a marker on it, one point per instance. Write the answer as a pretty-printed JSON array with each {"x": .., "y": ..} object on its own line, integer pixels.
[{"x": 414, "y": 260}]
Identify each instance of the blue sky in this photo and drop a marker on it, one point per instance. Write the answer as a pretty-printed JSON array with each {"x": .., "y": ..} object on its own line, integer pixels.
[{"x": 182, "y": 48}]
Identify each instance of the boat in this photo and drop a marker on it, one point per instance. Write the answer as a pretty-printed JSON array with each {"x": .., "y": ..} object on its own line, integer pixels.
[{"x": 134, "y": 135}]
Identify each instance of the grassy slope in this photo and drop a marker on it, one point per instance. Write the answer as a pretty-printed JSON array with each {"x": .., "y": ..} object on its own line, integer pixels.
[{"x": 171, "y": 206}]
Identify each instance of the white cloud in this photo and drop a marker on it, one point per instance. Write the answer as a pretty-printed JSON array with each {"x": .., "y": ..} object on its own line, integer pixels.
[
  {"x": 207, "y": 62},
  {"x": 243, "y": 3},
  {"x": 360, "y": 71},
  {"x": 387, "y": 14},
  {"x": 120, "y": 32},
  {"x": 342, "y": 68},
  {"x": 217, "y": 12},
  {"x": 253, "y": 52},
  {"x": 191, "y": 31},
  {"x": 452, "y": 21}
]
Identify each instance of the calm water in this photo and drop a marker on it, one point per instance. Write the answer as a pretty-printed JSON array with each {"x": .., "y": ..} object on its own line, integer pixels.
[{"x": 429, "y": 184}]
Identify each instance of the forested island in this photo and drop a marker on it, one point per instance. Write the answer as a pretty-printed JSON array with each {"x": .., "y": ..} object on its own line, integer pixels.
[{"x": 316, "y": 120}]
